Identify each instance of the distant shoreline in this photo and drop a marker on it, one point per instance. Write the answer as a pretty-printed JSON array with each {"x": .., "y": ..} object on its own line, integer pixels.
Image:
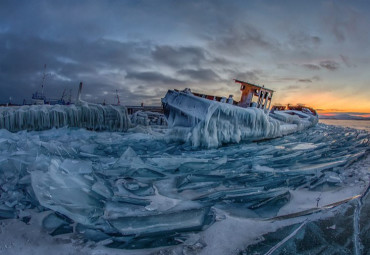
[
  {"x": 334, "y": 118},
  {"x": 363, "y": 124}
]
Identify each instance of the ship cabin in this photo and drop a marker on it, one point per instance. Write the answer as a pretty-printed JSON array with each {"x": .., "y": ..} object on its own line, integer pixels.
[{"x": 252, "y": 96}]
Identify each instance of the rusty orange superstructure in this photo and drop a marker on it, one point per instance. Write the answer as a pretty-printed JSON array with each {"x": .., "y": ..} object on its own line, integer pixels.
[
  {"x": 249, "y": 90},
  {"x": 252, "y": 96}
]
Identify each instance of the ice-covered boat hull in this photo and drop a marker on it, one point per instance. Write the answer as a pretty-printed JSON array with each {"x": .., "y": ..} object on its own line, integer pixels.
[
  {"x": 185, "y": 110},
  {"x": 210, "y": 123}
]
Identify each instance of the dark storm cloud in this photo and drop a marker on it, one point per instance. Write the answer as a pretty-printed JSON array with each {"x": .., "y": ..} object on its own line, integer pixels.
[
  {"x": 311, "y": 66},
  {"x": 243, "y": 39},
  {"x": 200, "y": 74},
  {"x": 153, "y": 77},
  {"x": 194, "y": 59},
  {"x": 293, "y": 87},
  {"x": 112, "y": 53},
  {"x": 316, "y": 39},
  {"x": 251, "y": 76},
  {"x": 29, "y": 53},
  {"x": 329, "y": 65},
  {"x": 96, "y": 63},
  {"x": 179, "y": 56},
  {"x": 303, "y": 41},
  {"x": 346, "y": 60},
  {"x": 287, "y": 79},
  {"x": 305, "y": 80},
  {"x": 299, "y": 80},
  {"x": 103, "y": 65}
]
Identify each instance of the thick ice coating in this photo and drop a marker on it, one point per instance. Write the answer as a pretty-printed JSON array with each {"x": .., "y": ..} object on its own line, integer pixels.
[
  {"x": 84, "y": 115},
  {"x": 208, "y": 123}
]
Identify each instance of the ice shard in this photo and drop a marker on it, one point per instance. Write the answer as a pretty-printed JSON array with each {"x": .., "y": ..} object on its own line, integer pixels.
[
  {"x": 68, "y": 194},
  {"x": 159, "y": 223}
]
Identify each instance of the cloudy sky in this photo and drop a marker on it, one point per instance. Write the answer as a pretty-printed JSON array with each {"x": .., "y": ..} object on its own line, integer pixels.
[{"x": 312, "y": 52}]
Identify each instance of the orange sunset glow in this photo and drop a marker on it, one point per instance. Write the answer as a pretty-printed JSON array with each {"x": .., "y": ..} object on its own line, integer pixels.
[{"x": 326, "y": 101}]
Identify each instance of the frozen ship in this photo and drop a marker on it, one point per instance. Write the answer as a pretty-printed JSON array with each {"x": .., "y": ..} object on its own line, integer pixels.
[
  {"x": 211, "y": 120},
  {"x": 56, "y": 115},
  {"x": 39, "y": 98}
]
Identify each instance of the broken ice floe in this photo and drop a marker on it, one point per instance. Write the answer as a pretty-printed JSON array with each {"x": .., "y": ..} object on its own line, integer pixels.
[
  {"x": 343, "y": 230},
  {"x": 135, "y": 190}
]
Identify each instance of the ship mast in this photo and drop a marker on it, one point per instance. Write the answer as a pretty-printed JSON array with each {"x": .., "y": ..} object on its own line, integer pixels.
[
  {"x": 43, "y": 80},
  {"x": 117, "y": 96},
  {"x": 63, "y": 95},
  {"x": 70, "y": 97}
]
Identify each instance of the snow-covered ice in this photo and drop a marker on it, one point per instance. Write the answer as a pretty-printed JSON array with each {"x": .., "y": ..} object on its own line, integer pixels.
[{"x": 97, "y": 192}]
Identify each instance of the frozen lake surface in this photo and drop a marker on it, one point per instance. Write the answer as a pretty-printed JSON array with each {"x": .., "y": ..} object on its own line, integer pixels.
[
  {"x": 73, "y": 190},
  {"x": 357, "y": 124}
]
